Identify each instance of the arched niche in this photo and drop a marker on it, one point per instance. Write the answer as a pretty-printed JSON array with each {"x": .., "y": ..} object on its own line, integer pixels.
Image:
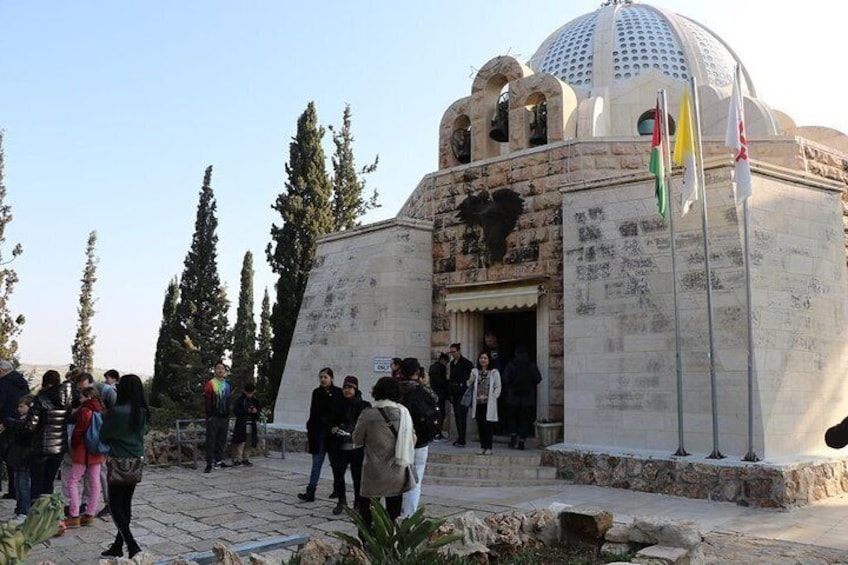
[
  {"x": 561, "y": 105},
  {"x": 457, "y": 115},
  {"x": 487, "y": 87}
]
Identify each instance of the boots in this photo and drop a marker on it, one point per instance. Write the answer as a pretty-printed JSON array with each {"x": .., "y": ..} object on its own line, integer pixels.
[
  {"x": 116, "y": 549},
  {"x": 340, "y": 506},
  {"x": 308, "y": 496},
  {"x": 133, "y": 549}
]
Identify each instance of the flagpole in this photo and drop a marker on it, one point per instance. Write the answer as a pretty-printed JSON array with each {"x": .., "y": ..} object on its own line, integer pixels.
[
  {"x": 681, "y": 451},
  {"x": 699, "y": 158},
  {"x": 751, "y": 455}
]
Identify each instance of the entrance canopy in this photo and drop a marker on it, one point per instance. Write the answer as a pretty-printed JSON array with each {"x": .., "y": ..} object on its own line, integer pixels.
[{"x": 489, "y": 299}]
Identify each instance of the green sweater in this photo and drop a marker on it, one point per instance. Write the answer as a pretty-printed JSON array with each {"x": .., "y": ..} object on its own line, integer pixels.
[{"x": 117, "y": 434}]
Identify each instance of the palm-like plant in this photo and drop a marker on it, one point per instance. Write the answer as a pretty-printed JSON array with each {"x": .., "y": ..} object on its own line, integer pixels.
[{"x": 392, "y": 543}]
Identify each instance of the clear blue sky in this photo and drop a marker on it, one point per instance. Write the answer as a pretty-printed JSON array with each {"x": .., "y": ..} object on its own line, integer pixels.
[{"x": 112, "y": 110}]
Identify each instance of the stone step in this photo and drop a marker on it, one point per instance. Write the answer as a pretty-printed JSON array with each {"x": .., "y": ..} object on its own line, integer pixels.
[
  {"x": 490, "y": 471},
  {"x": 469, "y": 456},
  {"x": 460, "y": 482}
]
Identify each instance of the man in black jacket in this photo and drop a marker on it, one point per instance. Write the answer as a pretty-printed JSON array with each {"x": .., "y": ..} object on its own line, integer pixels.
[
  {"x": 459, "y": 370},
  {"x": 13, "y": 387},
  {"x": 438, "y": 374}
]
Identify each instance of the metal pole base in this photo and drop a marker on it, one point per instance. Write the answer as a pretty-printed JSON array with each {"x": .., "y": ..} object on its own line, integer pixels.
[
  {"x": 680, "y": 453},
  {"x": 751, "y": 457},
  {"x": 715, "y": 455}
]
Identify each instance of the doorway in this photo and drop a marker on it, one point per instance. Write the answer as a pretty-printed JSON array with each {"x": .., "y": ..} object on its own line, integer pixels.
[{"x": 511, "y": 328}]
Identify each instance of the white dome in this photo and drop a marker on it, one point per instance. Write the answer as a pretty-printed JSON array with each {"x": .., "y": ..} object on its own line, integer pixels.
[{"x": 621, "y": 40}]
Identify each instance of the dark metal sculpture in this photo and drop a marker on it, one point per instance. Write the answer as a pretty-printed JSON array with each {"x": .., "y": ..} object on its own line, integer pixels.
[{"x": 497, "y": 215}]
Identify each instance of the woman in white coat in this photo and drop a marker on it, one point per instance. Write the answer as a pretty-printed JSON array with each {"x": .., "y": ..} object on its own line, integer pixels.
[{"x": 486, "y": 382}]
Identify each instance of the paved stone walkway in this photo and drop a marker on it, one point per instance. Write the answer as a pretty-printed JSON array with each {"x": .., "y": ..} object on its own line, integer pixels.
[{"x": 182, "y": 510}]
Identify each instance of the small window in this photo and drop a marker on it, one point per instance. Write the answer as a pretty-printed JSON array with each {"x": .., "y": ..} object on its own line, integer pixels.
[{"x": 645, "y": 123}]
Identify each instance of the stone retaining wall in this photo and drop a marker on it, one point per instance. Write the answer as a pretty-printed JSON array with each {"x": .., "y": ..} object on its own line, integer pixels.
[
  {"x": 757, "y": 484},
  {"x": 160, "y": 448}
]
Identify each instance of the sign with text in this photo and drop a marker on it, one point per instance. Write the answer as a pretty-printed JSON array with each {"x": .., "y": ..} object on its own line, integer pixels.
[{"x": 383, "y": 365}]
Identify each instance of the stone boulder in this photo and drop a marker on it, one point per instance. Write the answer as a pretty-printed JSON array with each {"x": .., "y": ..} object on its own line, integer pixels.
[{"x": 584, "y": 525}]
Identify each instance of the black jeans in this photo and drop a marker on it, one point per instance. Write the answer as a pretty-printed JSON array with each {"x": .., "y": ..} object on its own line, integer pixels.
[
  {"x": 521, "y": 420},
  {"x": 216, "y": 438},
  {"x": 484, "y": 427},
  {"x": 340, "y": 460},
  {"x": 120, "y": 503},
  {"x": 43, "y": 473},
  {"x": 393, "y": 507},
  {"x": 460, "y": 413}
]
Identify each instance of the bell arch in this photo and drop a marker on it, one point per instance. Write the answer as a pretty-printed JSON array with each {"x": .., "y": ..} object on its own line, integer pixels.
[
  {"x": 560, "y": 105},
  {"x": 458, "y": 115},
  {"x": 487, "y": 87}
]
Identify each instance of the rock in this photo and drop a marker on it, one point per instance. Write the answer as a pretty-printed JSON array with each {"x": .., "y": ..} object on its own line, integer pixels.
[
  {"x": 666, "y": 532},
  {"x": 256, "y": 559},
  {"x": 350, "y": 555},
  {"x": 224, "y": 554},
  {"x": 662, "y": 555},
  {"x": 476, "y": 535},
  {"x": 611, "y": 549},
  {"x": 317, "y": 551},
  {"x": 619, "y": 533},
  {"x": 508, "y": 530},
  {"x": 584, "y": 525},
  {"x": 543, "y": 525}
]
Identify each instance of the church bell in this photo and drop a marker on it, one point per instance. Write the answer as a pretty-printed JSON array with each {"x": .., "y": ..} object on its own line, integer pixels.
[
  {"x": 500, "y": 121},
  {"x": 539, "y": 125}
]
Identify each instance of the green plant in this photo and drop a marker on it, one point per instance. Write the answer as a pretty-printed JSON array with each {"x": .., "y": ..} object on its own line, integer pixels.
[
  {"x": 42, "y": 523},
  {"x": 393, "y": 543}
]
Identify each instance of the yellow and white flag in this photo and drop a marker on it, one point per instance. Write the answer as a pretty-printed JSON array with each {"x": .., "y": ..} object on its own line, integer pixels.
[{"x": 684, "y": 152}]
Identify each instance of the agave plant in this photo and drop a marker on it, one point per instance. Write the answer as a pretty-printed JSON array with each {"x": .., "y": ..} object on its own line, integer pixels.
[
  {"x": 42, "y": 522},
  {"x": 397, "y": 543}
]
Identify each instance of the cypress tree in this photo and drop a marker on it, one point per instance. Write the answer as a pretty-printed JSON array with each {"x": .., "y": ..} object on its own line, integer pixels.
[
  {"x": 163, "y": 362},
  {"x": 263, "y": 353},
  {"x": 201, "y": 332},
  {"x": 348, "y": 183},
  {"x": 244, "y": 332},
  {"x": 82, "y": 350},
  {"x": 10, "y": 326},
  {"x": 306, "y": 214}
]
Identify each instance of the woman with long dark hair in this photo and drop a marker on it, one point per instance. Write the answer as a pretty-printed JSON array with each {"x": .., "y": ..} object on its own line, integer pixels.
[
  {"x": 486, "y": 381},
  {"x": 326, "y": 401},
  {"x": 123, "y": 430}
]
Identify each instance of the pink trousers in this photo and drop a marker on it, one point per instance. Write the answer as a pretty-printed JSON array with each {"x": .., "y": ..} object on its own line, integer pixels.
[{"x": 92, "y": 475}]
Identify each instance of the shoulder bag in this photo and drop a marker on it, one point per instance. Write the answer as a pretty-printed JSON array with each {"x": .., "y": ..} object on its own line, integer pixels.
[
  {"x": 124, "y": 470},
  {"x": 410, "y": 480}
]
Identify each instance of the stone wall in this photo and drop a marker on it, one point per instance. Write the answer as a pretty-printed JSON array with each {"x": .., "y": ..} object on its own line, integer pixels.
[
  {"x": 368, "y": 298},
  {"x": 755, "y": 484}
]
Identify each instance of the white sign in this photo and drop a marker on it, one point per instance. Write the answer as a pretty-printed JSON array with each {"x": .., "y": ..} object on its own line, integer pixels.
[{"x": 383, "y": 365}]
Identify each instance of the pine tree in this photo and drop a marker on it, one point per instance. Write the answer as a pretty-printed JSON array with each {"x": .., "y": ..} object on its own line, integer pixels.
[
  {"x": 163, "y": 362},
  {"x": 348, "y": 184},
  {"x": 306, "y": 214},
  {"x": 244, "y": 332},
  {"x": 10, "y": 327},
  {"x": 82, "y": 350},
  {"x": 263, "y": 353},
  {"x": 201, "y": 332}
]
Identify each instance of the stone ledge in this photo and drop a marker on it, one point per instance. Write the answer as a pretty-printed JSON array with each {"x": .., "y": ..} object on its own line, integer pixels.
[{"x": 762, "y": 484}]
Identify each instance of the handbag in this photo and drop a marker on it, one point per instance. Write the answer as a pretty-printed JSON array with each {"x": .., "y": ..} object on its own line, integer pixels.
[
  {"x": 468, "y": 397},
  {"x": 124, "y": 470}
]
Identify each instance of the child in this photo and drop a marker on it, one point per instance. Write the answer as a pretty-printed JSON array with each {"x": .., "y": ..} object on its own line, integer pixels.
[
  {"x": 246, "y": 408},
  {"x": 20, "y": 453},
  {"x": 84, "y": 462}
]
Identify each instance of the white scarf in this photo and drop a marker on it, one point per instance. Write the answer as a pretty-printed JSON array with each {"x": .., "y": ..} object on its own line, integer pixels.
[{"x": 405, "y": 444}]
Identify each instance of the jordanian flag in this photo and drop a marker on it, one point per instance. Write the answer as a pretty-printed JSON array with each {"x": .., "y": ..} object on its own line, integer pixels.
[{"x": 658, "y": 162}]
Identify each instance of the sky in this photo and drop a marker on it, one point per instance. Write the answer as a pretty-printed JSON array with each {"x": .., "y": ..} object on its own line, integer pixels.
[{"x": 112, "y": 111}]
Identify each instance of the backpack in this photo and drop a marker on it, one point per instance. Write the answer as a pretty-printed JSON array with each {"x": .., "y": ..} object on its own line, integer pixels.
[
  {"x": 426, "y": 417},
  {"x": 92, "y": 435}
]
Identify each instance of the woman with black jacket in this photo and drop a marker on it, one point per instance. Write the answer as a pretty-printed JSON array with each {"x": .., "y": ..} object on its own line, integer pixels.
[
  {"x": 325, "y": 399},
  {"x": 48, "y": 418},
  {"x": 341, "y": 444}
]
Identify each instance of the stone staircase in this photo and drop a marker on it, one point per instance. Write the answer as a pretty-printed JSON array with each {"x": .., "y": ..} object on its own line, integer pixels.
[{"x": 453, "y": 466}]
